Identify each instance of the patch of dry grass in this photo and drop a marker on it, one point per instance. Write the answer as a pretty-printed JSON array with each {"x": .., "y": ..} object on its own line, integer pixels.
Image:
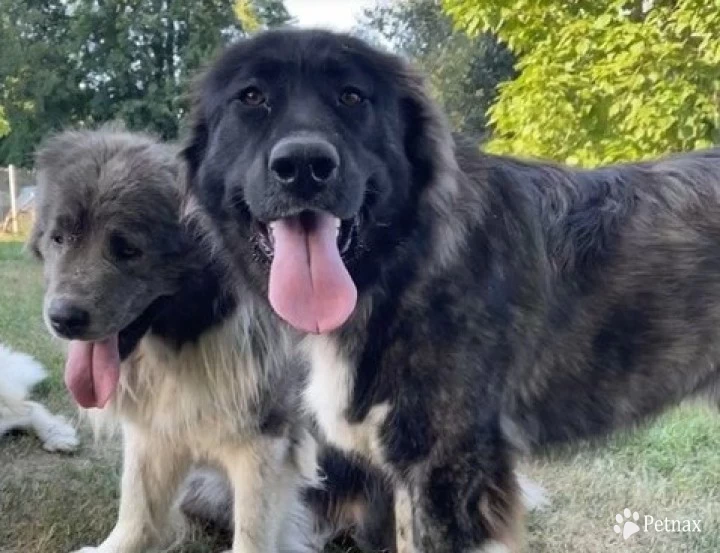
[
  {"x": 669, "y": 470},
  {"x": 54, "y": 503},
  {"x": 24, "y": 225}
]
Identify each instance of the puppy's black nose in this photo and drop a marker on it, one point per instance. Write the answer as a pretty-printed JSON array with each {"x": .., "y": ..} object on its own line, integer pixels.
[
  {"x": 304, "y": 160},
  {"x": 67, "y": 319}
]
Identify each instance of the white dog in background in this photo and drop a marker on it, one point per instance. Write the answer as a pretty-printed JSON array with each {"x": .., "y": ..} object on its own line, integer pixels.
[{"x": 18, "y": 374}]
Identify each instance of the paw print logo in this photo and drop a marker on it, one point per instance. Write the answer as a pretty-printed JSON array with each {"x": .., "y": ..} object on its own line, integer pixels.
[{"x": 627, "y": 523}]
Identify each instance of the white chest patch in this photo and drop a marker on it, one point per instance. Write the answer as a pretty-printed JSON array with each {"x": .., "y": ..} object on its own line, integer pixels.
[
  {"x": 327, "y": 397},
  {"x": 201, "y": 396}
]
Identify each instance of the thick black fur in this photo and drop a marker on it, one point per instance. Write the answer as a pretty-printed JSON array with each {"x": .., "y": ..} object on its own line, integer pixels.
[
  {"x": 503, "y": 305},
  {"x": 353, "y": 500}
]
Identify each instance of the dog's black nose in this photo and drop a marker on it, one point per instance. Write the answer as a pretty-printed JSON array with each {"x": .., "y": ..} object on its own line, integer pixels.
[
  {"x": 298, "y": 160},
  {"x": 67, "y": 319}
]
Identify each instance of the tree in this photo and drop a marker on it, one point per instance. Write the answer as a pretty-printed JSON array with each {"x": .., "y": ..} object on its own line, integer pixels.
[
  {"x": 89, "y": 61},
  {"x": 38, "y": 80},
  {"x": 258, "y": 14},
  {"x": 464, "y": 72},
  {"x": 603, "y": 80},
  {"x": 4, "y": 125}
]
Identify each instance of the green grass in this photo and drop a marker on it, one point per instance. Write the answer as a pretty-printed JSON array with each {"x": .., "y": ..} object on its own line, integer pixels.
[
  {"x": 55, "y": 503},
  {"x": 669, "y": 469}
]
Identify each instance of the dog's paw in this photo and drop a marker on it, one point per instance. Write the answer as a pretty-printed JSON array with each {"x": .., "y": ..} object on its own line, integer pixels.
[
  {"x": 60, "y": 436},
  {"x": 534, "y": 496},
  {"x": 494, "y": 547}
]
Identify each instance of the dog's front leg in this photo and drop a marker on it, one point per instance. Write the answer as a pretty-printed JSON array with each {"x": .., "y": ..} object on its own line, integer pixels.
[
  {"x": 404, "y": 536},
  {"x": 466, "y": 500},
  {"x": 152, "y": 471},
  {"x": 265, "y": 486}
]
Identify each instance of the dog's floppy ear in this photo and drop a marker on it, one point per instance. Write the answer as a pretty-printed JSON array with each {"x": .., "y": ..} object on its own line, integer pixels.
[
  {"x": 50, "y": 156},
  {"x": 430, "y": 148},
  {"x": 428, "y": 139},
  {"x": 195, "y": 145},
  {"x": 194, "y": 150},
  {"x": 41, "y": 214},
  {"x": 36, "y": 233}
]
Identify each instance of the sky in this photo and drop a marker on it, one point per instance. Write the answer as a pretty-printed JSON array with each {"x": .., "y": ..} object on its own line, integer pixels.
[{"x": 339, "y": 15}]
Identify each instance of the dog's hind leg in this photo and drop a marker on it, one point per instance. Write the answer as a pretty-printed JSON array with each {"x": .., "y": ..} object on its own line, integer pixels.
[
  {"x": 14, "y": 415},
  {"x": 712, "y": 391},
  {"x": 207, "y": 498},
  {"x": 152, "y": 471},
  {"x": 54, "y": 431}
]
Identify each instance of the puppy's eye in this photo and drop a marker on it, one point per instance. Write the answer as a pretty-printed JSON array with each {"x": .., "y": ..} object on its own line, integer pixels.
[
  {"x": 57, "y": 239},
  {"x": 351, "y": 97},
  {"x": 122, "y": 249},
  {"x": 252, "y": 96}
]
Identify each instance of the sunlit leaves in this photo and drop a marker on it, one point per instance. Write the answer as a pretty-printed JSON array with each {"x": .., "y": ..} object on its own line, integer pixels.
[
  {"x": 246, "y": 15},
  {"x": 603, "y": 81}
]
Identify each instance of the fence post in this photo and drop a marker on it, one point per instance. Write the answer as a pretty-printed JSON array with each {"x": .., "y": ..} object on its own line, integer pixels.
[{"x": 13, "y": 206}]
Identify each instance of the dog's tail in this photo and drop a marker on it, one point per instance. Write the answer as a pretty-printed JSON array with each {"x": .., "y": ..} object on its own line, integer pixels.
[{"x": 19, "y": 372}]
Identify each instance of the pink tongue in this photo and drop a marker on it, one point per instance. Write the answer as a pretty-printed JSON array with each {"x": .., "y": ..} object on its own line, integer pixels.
[
  {"x": 92, "y": 371},
  {"x": 310, "y": 287}
]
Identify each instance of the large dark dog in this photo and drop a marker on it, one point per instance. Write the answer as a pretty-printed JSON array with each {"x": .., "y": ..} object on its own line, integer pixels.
[{"x": 467, "y": 307}]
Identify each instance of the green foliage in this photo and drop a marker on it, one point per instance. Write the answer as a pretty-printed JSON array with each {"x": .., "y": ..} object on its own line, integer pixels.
[
  {"x": 464, "y": 72},
  {"x": 89, "y": 61},
  {"x": 254, "y": 15},
  {"x": 38, "y": 80},
  {"x": 247, "y": 15},
  {"x": 603, "y": 80},
  {"x": 4, "y": 125}
]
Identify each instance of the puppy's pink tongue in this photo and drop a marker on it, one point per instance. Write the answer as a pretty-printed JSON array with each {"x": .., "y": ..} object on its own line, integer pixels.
[
  {"x": 310, "y": 287},
  {"x": 92, "y": 371}
]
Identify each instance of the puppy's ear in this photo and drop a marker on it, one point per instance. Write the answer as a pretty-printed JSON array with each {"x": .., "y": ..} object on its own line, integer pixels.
[
  {"x": 36, "y": 234},
  {"x": 50, "y": 157},
  {"x": 41, "y": 213}
]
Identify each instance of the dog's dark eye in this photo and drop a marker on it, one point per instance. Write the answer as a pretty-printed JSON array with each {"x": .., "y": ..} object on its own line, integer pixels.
[
  {"x": 351, "y": 97},
  {"x": 252, "y": 96},
  {"x": 57, "y": 239},
  {"x": 122, "y": 249}
]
